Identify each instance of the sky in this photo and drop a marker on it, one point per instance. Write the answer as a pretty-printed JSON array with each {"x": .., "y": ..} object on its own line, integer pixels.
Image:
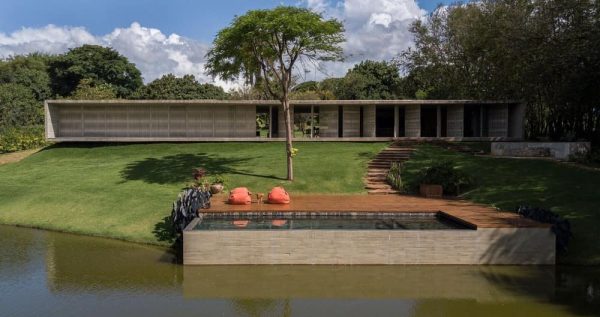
[{"x": 172, "y": 36}]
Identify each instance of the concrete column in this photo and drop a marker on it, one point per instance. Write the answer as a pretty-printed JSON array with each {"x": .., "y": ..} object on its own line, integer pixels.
[
  {"x": 438, "y": 131},
  {"x": 396, "y": 117},
  {"x": 312, "y": 120},
  {"x": 270, "y": 122},
  {"x": 481, "y": 120}
]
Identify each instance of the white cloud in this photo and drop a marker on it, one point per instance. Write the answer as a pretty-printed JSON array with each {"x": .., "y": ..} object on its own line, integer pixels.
[
  {"x": 153, "y": 52},
  {"x": 375, "y": 29}
]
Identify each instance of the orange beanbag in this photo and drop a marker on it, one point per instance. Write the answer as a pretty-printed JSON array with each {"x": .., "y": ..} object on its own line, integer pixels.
[
  {"x": 278, "y": 195},
  {"x": 240, "y": 196}
]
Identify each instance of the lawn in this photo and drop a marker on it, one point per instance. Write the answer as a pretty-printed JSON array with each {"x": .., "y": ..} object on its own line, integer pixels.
[
  {"x": 125, "y": 191},
  {"x": 568, "y": 190}
]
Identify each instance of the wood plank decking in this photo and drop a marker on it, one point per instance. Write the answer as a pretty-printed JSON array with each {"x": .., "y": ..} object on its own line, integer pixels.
[{"x": 477, "y": 215}]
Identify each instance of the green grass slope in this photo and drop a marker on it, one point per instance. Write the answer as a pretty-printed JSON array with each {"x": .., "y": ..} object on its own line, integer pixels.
[
  {"x": 125, "y": 191},
  {"x": 568, "y": 190}
]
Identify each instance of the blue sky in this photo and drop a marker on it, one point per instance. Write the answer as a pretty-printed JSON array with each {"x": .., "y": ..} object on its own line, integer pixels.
[
  {"x": 196, "y": 19},
  {"x": 24, "y": 24}
]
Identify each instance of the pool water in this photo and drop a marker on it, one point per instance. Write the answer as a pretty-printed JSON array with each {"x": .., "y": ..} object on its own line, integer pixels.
[{"x": 312, "y": 221}]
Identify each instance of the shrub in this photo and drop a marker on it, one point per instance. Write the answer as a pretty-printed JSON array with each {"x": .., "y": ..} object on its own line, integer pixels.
[
  {"x": 591, "y": 158},
  {"x": 560, "y": 226},
  {"x": 21, "y": 138},
  {"x": 394, "y": 176},
  {"x": 444, "y": 173},
  {"x": 187, "y": 205}
]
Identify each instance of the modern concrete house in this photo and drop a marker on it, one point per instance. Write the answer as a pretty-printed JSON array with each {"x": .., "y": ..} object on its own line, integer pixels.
[{"x": 252, "y": 120}]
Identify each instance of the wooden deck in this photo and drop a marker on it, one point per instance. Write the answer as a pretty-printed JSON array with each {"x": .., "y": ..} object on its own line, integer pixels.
[{"x": 476, "y": 215}]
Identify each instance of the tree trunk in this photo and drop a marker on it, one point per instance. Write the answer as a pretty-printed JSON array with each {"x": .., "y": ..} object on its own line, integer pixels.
[{"x": 288, "y": 137}]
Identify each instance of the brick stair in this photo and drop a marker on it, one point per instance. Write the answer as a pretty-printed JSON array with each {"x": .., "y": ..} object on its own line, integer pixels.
[{"x": 378, "y": 167}]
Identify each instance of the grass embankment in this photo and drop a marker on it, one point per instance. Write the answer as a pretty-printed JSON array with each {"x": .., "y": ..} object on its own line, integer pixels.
[
  {"x": 568, "y": 190},
  {"x": 126, "y": 191}
]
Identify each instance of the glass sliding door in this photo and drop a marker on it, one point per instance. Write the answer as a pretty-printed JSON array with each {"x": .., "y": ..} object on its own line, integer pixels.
[
  {"x": 306, "y": 121},
  {"x": 263, "y": 121}
]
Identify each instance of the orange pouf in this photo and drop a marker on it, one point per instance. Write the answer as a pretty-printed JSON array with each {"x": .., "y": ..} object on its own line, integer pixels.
[
  {"x": 241, "y": 223},
  {"x": 240, "y": 196},
  {"x": 278, "y": 195},
  {"x": 279, "y": 222}
]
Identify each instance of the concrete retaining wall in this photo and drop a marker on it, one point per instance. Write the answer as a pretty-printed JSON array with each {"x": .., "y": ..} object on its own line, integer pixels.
[
  {"x": 522, "y": 246},
  {"x": 557, "y": 150}
]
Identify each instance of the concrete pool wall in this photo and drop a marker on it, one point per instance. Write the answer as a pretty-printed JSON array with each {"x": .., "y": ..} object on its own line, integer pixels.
[{"x": 518, "y": 246}]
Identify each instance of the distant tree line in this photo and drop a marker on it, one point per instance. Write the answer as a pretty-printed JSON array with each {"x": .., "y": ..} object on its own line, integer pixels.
[{"x": 86, "y": 72}]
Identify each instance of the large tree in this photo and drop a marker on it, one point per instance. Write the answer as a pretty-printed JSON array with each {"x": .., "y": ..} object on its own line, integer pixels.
[
  {"x": 269, "y": 46},
  {"x": 187, "y": 87},
  {"x": 543, "y": 52},
  {"x": 371, "y": 80},
  {"x": 101, "y": 65}
]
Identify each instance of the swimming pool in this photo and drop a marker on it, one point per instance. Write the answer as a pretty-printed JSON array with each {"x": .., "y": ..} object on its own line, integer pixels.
[
  {"x": 327, "y": 221},
  {"x": 319, "y": 237}
]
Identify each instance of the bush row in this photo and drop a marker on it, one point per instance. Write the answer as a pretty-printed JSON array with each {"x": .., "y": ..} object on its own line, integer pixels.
[{"x": 21, "y": 138}]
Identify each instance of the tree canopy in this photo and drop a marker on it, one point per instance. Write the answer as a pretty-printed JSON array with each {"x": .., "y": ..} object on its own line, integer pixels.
[
  {"x": 544, "y": 52},
  {"x": 267, "y": 46},
  {"x": 30, "y": 71},
  {"x": 186, "y": 87},
  {"x": 101, "y": 65},
  {"x": 370, "y": 80},
  {"x": 87, "y": 90},
  {"x": 18, "y": 106}
]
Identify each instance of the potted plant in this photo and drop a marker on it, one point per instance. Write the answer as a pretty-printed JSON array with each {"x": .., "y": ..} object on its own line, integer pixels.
[
  {"x": 440, "y": 177},
  {"x": 431, "y": 190},
  {"x": 217, "y": 184}
]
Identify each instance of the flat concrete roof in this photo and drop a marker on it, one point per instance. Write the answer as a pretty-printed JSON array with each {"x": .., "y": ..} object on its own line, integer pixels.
[{"x": 276, "y": 102}]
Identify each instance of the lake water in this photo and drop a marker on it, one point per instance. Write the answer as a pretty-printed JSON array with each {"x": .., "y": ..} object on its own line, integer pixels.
[{"x": 53, "y": 274}]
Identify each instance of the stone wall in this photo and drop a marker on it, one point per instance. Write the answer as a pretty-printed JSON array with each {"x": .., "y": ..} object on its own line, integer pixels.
[
  {"x": 351, "y": 121},
  {"x": 455, "y": 119},
  {"x": 498, "y": 121},
  {"x": 369, "y": 121},
  {"x": 328, "y": 121},
  {"x": 413, "y": 121}
]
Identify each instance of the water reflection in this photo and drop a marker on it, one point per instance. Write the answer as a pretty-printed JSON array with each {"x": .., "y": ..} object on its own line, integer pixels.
[{"x": 51, "y": 274}]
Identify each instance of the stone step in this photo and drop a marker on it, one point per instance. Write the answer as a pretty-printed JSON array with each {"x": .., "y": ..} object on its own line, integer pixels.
[
  {"x": 391, "y": 158},
  {"x": 377, "y": 178},
  {"x": 378, "y": 186},
  {"x": 380, "y": 165},
  {"x": 382, "y": 192},
  {"x": 392, "y": 155}
]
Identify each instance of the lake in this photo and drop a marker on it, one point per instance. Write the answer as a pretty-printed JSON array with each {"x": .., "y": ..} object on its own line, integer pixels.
[{"x": 55, "y": 274}]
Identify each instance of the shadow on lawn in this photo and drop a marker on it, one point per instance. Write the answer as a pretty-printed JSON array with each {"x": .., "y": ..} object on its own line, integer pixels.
[{"x": 178, "y": 168}]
